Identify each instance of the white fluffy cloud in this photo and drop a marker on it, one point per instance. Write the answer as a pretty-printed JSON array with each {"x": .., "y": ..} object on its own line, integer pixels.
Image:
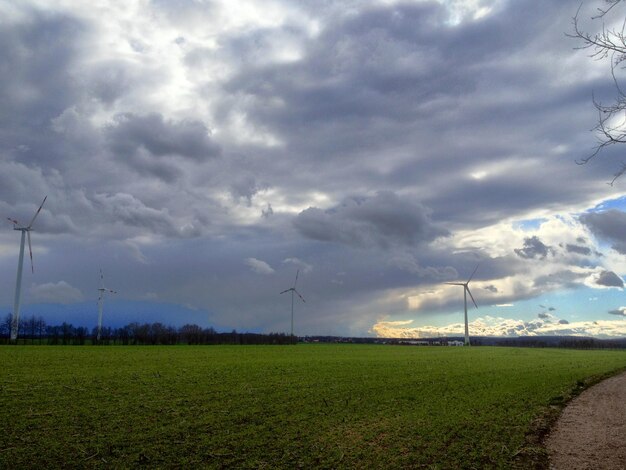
[
  {"x": 521, "y": 259},
  {"x": 305, "y": 267},
  {"x": 58, "y": 293},
  {"x": 259, "y": 266}
]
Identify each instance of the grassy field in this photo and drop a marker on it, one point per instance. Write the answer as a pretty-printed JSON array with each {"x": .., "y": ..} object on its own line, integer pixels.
[{"x": 280, "y": 406}]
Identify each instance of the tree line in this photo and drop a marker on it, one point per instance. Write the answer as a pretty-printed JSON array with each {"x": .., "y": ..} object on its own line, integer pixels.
[{"x": 35, "y": 330}]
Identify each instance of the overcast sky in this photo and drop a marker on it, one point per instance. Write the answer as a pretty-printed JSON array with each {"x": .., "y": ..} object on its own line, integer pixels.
[{"x": 201, "y": 152}]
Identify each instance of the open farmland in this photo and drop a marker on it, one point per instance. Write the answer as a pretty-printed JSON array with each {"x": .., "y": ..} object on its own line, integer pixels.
[{"x": 272, "y": 406}]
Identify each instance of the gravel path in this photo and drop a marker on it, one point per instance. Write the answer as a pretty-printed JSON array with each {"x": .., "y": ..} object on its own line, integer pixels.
[{"x": 591, "y": 432}]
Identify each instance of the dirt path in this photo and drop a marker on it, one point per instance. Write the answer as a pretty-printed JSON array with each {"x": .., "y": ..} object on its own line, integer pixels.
[{"x": 591, "y": 432}]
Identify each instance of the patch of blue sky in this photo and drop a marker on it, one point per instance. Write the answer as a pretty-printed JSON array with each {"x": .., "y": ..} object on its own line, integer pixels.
[
  {"x": 588, "y": 304},
  {"x": 529, "y": 224},
  {"x": 616, "y": 203}
]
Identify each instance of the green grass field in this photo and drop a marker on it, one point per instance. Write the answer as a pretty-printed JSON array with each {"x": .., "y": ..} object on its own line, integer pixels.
[{"x": 305, "y": 406}]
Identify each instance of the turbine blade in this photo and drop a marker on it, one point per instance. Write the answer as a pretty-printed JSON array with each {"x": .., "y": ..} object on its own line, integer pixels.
[
  {"x": 286, "y": 291},
  {"x": 13, "y": 221},
  {"x": 468, "y": 291},
  {"x": 473, "y": 272},
  {"x": 455, "y": 283},
  {"x": 296, "y": 281},
  {"x": 302, "y": 298},
  {"x": 30, "y": 250},
  {"x": 37, "y": 213}
]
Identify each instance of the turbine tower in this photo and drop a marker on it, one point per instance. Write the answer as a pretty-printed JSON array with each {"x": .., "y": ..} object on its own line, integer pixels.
[
  {"x": 293, "y": 290},
  {"x": 15, "y": 323},
  {"x": 465, "y": 292},
  {"x": 102, "y": 290}
]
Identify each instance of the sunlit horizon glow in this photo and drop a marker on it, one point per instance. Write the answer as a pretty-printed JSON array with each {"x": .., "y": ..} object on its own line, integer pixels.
[{"x": 503, "y": 327}]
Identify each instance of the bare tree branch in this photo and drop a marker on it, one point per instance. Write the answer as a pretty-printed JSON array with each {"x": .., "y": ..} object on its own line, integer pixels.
[{"x": 608, "y": 43}]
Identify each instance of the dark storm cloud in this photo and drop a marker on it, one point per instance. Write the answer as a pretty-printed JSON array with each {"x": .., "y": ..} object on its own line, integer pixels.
[
  {"x": 609, "y": 225},
  {"x": 45, "y": 46},
  {"x": 160, "y": 137},
  {"x": 620, "y": 312},
  {"x": 147, "y": 166},
  {"x": 563, "y": 322},
  {"x": 543, "y": 316},
  {"x": 399, "y": 72},
  {"x": 128, "y": 210},
  {"x": 268, "y": 211},
  {"x": 578, "y": 249},
  {"x": 353, "y": 70},
  {"x": 381, "y": 61},
  {"x": 564, "y": 279},
  {"x": 154, "y": 146},
  {"x": 38, "y": 57},
  {"x": 406, "y": 260},
  {"x": 245, "y": 187},
  {"x": 384, "y": 220},
  {"x": 533, "y": 248},
  {"x": 110, "y": 80},
  {"x": 17, "y": 181},
  {"x": 609, "y": 279}
]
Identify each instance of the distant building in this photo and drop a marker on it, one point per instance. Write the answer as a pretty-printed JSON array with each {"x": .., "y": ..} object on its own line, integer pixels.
[{"x": 455, "y": 343}]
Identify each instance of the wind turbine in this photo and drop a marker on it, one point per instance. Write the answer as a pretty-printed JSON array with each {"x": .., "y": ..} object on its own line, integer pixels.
[
  {"x": 102, "y": 290},
  {"x": 293, "y": 290},
  {"x": 18, "y": 283},
  {"x": 465, "y": 292}
]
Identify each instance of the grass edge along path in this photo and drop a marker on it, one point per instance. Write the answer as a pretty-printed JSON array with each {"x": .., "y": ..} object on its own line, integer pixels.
[
  {"x": 339, "y": 406},
  {"x": 534, "y": 454}
]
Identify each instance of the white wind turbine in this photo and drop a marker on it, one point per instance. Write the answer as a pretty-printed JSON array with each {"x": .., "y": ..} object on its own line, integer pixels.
[
  {"x": 102, "y": 291},
  {"x": 18, "y": 283},
  {"x": 465, "y": 292},
  {"x": 293, "y": 290}
]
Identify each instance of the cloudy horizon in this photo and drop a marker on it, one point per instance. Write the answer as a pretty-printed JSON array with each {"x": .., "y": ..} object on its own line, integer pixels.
[{"x": 201, "y": 153}]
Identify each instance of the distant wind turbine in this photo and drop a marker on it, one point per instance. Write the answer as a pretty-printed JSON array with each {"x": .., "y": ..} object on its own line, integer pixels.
[
  {"x": 293, "y": 290},
  {"x": 465, "y": 292},
  {"x": 102, "y": 291},
  {"x": 15, "y": 323}
]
